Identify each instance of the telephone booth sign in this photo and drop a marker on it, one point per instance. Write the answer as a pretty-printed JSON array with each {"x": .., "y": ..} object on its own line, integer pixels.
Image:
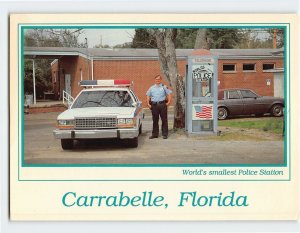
[{"x": 202, "y": 95}]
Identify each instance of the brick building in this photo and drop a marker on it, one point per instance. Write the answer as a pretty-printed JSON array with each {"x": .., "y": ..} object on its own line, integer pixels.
[{"x": 246, "y": 68}]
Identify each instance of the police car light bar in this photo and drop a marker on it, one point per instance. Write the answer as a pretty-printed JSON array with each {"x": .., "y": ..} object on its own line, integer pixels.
[{"x": 105, "y": 83}]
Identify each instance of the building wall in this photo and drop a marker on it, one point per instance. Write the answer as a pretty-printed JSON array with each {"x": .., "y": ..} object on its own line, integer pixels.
[
  {"x": 142, "y": 73},
  {"x": 76, "y": 66},
  {"x": 256, "y": 81}
]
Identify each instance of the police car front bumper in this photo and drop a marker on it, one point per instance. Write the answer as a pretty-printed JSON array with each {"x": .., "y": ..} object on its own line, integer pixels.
[{"x": 90, "y": 134}]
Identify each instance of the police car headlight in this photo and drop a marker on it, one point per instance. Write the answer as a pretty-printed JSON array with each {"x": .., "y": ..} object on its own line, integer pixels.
[
  {"x": 129, "y": 121},
  {"x": 65, "y": 124},
  {"x": 121, "y": 121},
  {"x": 126, "y": 122}
]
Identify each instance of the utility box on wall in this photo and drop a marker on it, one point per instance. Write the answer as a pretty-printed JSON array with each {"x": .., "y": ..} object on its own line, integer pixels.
[{"x": 202, "y": 95}]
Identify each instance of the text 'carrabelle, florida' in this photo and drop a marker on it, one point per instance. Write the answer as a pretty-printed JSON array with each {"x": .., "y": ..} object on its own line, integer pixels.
[{"x": 150, "y": 199}]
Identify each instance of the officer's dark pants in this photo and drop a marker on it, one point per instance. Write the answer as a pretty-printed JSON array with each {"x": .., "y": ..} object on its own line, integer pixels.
[{"x": 159, "y": 110}]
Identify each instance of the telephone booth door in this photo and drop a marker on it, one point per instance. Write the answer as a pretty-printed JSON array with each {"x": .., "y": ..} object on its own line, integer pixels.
[{"x": 202, "y": 95}]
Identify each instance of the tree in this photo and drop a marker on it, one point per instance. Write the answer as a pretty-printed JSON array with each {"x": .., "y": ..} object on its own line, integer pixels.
[
  {"x": 201, "y": 39},
  {"x": 276, "y": 34},
  {"x": 53, "y": 38},
  {"x": 185, "y": 38},
  {"x": 254, "y": 39},
  {"x": 165, "y": 39},
  {"x": 42, "y": 77},
  {"x": 105, "y": 46},
  {"x": 143, "y": 39},
  {"x": 223, "y": 38},
  {"x": 124, "y": 45}
]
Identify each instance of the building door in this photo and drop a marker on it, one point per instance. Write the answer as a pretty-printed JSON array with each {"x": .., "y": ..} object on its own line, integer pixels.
[
  {"x": 68, "y": 83},
  {"x": 278, "y": 85}
]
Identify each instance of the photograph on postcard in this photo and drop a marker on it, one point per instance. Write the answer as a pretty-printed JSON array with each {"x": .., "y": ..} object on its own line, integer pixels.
[{"x": 91, "y": 94}]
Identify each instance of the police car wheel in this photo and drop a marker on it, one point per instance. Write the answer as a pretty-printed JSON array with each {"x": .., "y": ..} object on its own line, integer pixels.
[
  {"x": 133, "y": 142},
  {"x": 222, "y": 113},
  {"x": 67, "y": 144}
]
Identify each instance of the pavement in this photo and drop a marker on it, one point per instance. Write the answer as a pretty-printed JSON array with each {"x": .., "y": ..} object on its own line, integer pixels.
[{"x": 42, "y": 148}]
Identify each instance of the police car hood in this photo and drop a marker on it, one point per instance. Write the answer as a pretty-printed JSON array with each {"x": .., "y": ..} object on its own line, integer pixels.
[{"x": 119, "y": 112}]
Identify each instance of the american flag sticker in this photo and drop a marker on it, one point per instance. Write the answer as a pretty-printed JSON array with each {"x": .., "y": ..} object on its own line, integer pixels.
[{"x": 202, "y": 111}]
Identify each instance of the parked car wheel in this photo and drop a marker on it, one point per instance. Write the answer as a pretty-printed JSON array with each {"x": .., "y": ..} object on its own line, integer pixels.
[
  {"x": 140, "y": 129},
  {"x": 133, "y": 142},
  {"x": 222, "y": 113},
  {"x": 277, "y": 110},
  {"x": 67, "y": 144}
]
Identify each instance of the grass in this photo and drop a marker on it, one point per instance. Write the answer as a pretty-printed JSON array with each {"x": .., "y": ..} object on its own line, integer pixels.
[{"x": 272, "y": 124}]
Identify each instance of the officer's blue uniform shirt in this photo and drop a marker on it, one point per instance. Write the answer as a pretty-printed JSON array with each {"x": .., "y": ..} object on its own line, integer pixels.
[{"x": 158, "y": 92}]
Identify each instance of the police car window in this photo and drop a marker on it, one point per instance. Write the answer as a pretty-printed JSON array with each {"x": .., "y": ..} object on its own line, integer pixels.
[
  {"x": 233, "y": 95},
  {"x": 103, "y": 99},
  {"x": 248, "y": 94}
]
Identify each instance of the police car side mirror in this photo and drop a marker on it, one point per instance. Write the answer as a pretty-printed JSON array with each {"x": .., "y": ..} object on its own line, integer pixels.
[{"x": 138, "y": 103}]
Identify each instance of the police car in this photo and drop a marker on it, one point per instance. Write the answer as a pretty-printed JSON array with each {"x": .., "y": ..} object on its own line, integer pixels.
[{"x": 104, "y": 109}]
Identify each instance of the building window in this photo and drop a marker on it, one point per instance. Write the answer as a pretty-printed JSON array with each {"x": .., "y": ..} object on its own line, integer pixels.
[
  {"x": 249, "y": 67},
  {"x": 268, "y": 66},
  {"x": 229, "y": 68},
  {"x": 81, "y": 75}
]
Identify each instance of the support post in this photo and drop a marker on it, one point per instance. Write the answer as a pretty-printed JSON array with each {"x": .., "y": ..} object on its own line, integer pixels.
[
  {"x": 92, "y": 68},
  {"x": 33, "y": 74}
]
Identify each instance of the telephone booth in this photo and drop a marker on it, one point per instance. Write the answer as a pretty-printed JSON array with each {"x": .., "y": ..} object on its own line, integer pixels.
[{"x": 202, "y": 94}]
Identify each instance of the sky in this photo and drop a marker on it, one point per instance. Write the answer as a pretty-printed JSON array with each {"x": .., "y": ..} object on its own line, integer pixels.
[{"x": 109, "y": 37}]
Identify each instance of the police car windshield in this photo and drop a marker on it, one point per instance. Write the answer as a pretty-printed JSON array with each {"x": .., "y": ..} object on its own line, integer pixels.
[{"x": 103, "y": 99}]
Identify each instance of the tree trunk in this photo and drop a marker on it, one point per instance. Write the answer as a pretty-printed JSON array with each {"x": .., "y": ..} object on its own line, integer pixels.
[
  {"x": 179, "y": 106},
  {"x": 168, "y": 64},
  {"x": 201, "y": 39}
]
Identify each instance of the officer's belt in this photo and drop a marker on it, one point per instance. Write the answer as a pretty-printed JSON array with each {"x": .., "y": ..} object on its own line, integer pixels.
[{"x": 159, "y": 102}]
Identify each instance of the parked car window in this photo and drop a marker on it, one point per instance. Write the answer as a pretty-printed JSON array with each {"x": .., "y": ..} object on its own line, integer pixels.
[
  {"x": 233, "y": 95},
  {"x": 248, "y": 94},
  {"x": 103, "y": 99}
]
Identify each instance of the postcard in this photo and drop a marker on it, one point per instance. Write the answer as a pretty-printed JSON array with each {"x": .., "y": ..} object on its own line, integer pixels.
[{"x": 154, "y": 117}]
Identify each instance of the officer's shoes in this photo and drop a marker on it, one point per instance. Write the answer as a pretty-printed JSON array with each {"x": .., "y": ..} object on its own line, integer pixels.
[
  {"x": 165, "y": 137},
  {"x": 152, "y": 137}
]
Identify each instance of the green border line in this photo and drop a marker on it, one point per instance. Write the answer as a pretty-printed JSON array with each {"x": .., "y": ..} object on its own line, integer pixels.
[{"x": 121, "y": 26}]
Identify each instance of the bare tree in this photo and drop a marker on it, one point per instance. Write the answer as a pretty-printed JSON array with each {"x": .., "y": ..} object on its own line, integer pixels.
[
  {"x": 53, "y": 37},
  {"x": 165, "y": 39}
]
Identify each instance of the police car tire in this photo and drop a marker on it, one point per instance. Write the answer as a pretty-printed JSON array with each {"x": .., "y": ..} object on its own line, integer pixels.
[
  {"x": 67, "y": 144},
  {"x": 133, "y": 142}
]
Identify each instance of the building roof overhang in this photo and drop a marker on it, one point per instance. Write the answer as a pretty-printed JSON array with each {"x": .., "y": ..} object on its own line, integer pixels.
[{"x": 145, "y": 54}]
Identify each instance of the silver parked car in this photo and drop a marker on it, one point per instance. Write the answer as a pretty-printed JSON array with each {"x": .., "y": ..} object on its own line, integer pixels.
[{"x": 247, "y": 102}]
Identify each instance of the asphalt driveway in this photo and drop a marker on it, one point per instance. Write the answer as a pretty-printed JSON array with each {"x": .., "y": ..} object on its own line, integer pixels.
[{"x": 42, "y": 148}]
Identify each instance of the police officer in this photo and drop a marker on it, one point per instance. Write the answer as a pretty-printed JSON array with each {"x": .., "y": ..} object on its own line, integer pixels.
[{"x": 158, "y": 98}]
